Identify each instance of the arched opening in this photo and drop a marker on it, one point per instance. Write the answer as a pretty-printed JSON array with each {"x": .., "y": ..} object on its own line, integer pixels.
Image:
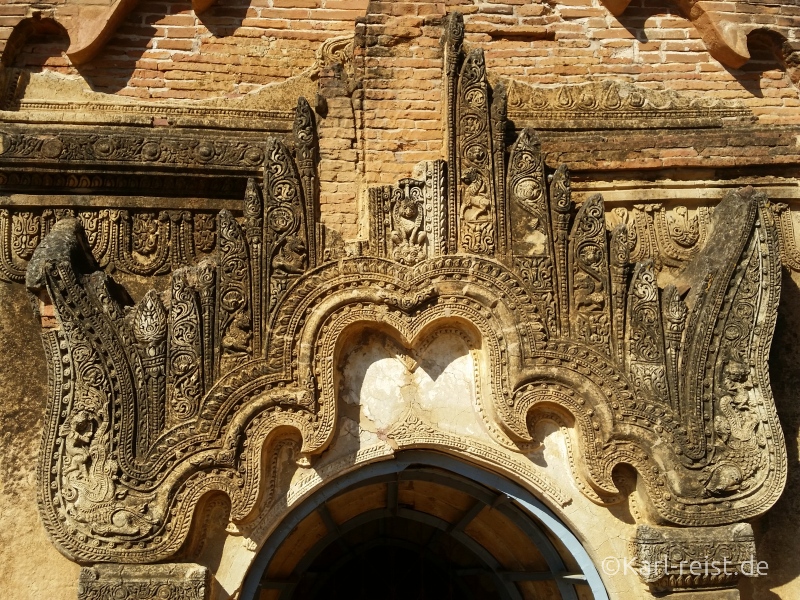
[{"x": 423, "y": 525}]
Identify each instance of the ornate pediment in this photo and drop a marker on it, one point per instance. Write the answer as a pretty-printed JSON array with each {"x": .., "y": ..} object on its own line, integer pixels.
[{"x": 157, "y": 404}]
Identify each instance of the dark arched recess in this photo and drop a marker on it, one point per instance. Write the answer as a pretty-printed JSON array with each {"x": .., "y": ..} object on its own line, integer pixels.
[{"x": 488, "y": 489}]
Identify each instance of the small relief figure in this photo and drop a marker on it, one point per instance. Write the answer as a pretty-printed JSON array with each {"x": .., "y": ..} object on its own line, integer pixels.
[
  {"x": 291, "y": 258},
  {"x": 408, "y": 236},
  {"x": 145, "y": 233},
  {"x": 237, "y": 337},
  {"x": 475, "y": 202},
  {"x": 77, "y": 433},
  {"x": 740, "y": 440},
  {"x": 87, "y": 477},
  {"x": 88, "y": 488},
  {"x": 589, "y": 296},
  {"x": 589, "y": 291},
  {"x": 683, "y": 228},
  {"x": 477, "y": 234}
]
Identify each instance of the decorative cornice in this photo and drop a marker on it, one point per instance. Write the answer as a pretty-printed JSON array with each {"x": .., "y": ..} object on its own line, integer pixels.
[
  {"x": 27, "y": 97},
  {"x": 613, "y": 104},
  {"x": 130, "y": 146}
]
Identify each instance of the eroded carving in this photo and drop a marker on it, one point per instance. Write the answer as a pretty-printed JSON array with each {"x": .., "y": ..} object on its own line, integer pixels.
[
  {"x": 669, "y": 559},
  {"x": 178, "y": 581},
  {"x": 611, "y": 104}
]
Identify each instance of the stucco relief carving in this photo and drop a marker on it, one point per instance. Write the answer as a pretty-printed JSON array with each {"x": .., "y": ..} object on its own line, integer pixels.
[
  {"x": 155, "y": 405},
  {"x": 173, "y": 581},
  {"x": 135, "y": 242},
  {"x": 408, "y": 221},
  {"x": 611, "y": 104},
  {"x": 674, "y": 559}
]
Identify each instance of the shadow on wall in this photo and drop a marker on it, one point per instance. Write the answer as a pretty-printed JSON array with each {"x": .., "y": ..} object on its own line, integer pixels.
[
  {"x": 118, "y": 62},
  {"x": 777, "y": 541},
  {"x": 35, "y": 42},
  {"x": 223, "y": 19},
  {"x": 769, "y": 50},
  {"x": 635, "y": 17},
  {"x": 39, "y": 42}
]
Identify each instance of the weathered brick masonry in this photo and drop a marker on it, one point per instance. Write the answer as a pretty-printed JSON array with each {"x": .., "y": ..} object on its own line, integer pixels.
[
  {"x": 387, "y": 117},
  {"x": 165, "y": 50}
]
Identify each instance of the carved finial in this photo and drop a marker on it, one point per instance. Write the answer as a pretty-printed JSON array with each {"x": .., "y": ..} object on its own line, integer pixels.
[
  {"x": 560, "y": 192},
  {"x": 150, "y": 321},
  {"x": 252, "y": 201},
  {"x": 620, "y": 249},
  {"x": 453, "y": 35}
]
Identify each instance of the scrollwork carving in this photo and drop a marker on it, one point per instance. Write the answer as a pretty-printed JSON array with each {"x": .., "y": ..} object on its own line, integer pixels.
[
  {"x": 185, "y": 382},
  {"x": 589, "y": 276},
  {"x": 24, "y": 234},
  {"x": 234, "y": 303},
  {"x": 476, "y": 205},
  {"x": 644, "y": 343},
  {"x": 286, "y": 247}
]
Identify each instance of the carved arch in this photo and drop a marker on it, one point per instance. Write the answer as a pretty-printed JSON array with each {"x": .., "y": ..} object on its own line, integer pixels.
[{"x": 669, "y": 377}]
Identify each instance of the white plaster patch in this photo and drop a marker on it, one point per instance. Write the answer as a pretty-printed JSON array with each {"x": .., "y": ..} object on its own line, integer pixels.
[
  {"x": 436, "y": 381},
  {"x": 374, "y": 379},
  {"x": 445, "y": 380}
]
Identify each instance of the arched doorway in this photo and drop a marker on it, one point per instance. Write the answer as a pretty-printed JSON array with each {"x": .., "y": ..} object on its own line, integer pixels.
[{"x": 424, "y": 525}]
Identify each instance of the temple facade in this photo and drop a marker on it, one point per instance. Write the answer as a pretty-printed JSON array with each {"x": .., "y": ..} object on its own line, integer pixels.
[{"x": 351, "y": 299}]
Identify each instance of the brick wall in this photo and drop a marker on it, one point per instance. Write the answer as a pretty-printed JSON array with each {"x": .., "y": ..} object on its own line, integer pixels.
[
  {"x": 164, "y": 50},
  {"x": 386, "y": 116}
]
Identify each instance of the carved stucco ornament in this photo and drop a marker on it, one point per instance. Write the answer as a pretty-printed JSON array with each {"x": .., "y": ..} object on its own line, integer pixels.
[
  {"x": 611, "y": 104},
  {"x": 670, "y": 559},
  {"x": 171, "y": 581},
  {"x": 153, "y": 406}
]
